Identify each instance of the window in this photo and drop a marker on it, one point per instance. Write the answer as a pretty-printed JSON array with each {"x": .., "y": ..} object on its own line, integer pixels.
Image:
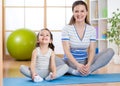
[{"x": 37, "y": 14}]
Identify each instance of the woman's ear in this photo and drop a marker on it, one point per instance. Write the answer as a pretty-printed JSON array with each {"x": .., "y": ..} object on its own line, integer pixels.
[{"x": 87, "y": 13}]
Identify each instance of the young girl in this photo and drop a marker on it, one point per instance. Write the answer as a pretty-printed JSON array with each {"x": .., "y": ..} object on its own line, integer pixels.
[{"x": 43, "y": 64}]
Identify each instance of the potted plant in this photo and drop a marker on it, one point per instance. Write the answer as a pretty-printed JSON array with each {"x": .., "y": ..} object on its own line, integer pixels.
[{"x": 113, "y": 33}]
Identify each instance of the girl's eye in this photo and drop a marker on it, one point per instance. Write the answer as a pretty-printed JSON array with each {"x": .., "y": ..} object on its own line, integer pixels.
[{"x": 41, "y": 35}]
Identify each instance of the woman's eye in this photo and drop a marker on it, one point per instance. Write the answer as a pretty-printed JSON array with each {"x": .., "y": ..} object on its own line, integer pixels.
[
  {"x": 76, "y": 11},
  {"x": 82, "y": 11}
]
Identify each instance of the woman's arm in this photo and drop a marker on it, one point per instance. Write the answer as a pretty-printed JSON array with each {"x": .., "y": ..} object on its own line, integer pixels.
[
  {"x": 92, "y": 46},
  {"x": 53, "y": 65},
  {"x": 80, "y": 67},
  {"x": 33, "y": 62},
  {"x": 91, "y": 53},
  {"x": 66, "y": 48}
]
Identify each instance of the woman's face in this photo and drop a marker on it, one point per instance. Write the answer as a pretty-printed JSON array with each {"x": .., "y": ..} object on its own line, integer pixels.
[{"x": 80, "y": 13}]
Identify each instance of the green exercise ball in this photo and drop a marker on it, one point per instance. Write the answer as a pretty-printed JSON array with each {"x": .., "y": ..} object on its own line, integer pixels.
[{"x": 21, "y": 43}]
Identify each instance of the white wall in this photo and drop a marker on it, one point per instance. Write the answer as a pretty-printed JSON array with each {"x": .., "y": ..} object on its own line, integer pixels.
[
  {"x": 32, "y": 17},
  {"x": 112, "y": 6}
]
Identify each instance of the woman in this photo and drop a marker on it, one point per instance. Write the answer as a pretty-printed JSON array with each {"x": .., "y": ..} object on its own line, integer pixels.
[{"x": 79, "y": 38}]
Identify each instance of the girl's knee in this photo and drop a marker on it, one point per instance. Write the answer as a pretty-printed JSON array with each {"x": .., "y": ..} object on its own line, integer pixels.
[{"x": 22, "y": 67}]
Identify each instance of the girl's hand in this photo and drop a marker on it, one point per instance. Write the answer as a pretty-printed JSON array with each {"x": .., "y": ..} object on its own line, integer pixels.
[
  {"x": 33, "y": 75},
  {"x": 53, "y": 75}
]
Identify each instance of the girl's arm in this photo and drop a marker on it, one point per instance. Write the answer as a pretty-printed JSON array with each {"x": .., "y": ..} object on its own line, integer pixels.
[
  {"x": 33, "y": 63},
  {"x": 53, "y": 65}
]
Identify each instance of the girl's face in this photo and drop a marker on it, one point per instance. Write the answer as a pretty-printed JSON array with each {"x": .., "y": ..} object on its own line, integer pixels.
[
  {"x": 44, "y": 37},
  {"x": 80, "y": 13}
]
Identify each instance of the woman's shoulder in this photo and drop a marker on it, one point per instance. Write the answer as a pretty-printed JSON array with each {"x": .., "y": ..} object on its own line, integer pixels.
[
  {"x": 90, "y": 28},
  {"x": 68, "y": 28}
]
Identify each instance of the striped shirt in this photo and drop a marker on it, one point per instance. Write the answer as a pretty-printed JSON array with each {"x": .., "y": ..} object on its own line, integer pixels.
[
  {"x": 42, "y": 61},
  {"x": 79, "y": 46}
]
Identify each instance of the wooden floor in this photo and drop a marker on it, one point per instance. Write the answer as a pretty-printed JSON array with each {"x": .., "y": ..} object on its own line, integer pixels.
[{"x": 11, "y": 69}]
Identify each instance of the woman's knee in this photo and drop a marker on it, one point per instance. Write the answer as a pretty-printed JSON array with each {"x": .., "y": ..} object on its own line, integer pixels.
[
  {"x": 63, "y": 67},
  {"x": 66, "y": 67},
  {"x": 59, "y": 61},
  {"x": 110, "y": 51}
]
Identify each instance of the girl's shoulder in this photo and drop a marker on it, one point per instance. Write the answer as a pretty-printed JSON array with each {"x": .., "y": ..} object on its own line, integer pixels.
[
  {"x": 51, "y": 52},
  {"x": 35, "y": 51}
]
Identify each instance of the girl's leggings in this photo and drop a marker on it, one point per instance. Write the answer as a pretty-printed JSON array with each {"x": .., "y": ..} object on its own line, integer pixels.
[{"x": 62, "y": 68}]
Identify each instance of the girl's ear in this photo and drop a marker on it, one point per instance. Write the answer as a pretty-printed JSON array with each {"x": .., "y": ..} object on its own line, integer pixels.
[{"x": 37, "y": 41}]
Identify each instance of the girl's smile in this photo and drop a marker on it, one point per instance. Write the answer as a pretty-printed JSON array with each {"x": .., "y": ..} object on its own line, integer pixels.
[{"x": 44, "y": 37}]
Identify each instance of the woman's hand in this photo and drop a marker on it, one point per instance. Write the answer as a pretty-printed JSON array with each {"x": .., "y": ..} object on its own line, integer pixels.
[
  {"x": 87, "y": 67},
  {"x": 83, "y": 69}
]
